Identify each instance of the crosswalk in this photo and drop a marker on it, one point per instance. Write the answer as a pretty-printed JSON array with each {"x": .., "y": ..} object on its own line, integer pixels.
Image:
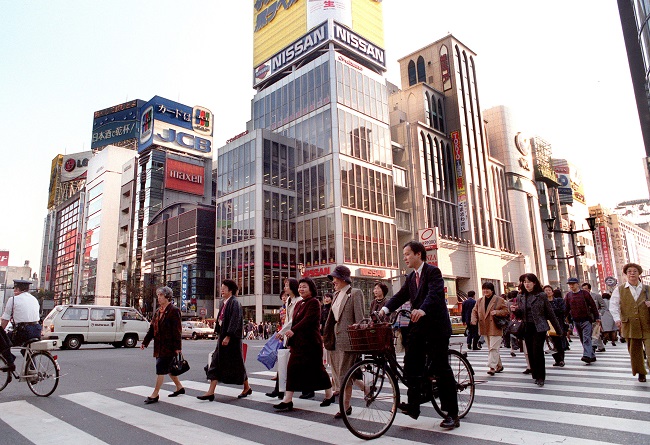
[{"x": 584, "y": 405}]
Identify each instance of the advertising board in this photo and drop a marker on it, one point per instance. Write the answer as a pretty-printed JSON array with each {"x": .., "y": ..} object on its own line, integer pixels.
[
  {"x": 75, "y": 166},
  {"x": 460, "y": 181},
  {"x": 184, "y": 177},
  {"x": 115, "y": 124},
  {"x": 277, "y": 23},
  {"x": 179, "y": 127},
  {"x": 54, "y": 180},
  {"x": 4, "y": 258},
  {"x": 429, "y": 238}
]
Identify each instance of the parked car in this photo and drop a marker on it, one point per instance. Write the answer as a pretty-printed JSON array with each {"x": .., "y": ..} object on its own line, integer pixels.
[
  {"x": 196, "y": 330},
  {"x": 78, "y": 324},
  {"x": 457, "y": 326}
]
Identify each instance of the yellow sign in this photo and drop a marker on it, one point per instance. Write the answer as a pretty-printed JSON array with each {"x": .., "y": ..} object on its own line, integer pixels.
[
  {"x": 277, "y": 23},
  {"x": 54, "y": 180}
]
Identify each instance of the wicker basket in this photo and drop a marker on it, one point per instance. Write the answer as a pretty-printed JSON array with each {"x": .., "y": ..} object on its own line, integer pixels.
[{"x": 367, "y": 336}]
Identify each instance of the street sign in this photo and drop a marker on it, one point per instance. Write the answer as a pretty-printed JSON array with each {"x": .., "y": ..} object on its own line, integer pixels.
[
  {"x": 429, "y": 238},
  {"x": 611, "y": 281}
]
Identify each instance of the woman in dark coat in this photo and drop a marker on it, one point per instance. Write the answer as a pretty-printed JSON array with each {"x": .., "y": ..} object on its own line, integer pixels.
[
  {"x": 534, "y": 309},
  {"x": 559, "y": 309},
  {"x": 228, "y": 360},
  {"x": 305, "y": 371},
  {"x": 165, "y": 331}
]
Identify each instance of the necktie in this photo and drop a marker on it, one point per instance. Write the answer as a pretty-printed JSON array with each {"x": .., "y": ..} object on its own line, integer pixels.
[{"x": 417, "y": 279}]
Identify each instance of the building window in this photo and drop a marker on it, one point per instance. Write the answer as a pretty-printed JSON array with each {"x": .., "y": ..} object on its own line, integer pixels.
[
  {"x": 421, "y": 71},
  {"x": 412, "y": 75}
]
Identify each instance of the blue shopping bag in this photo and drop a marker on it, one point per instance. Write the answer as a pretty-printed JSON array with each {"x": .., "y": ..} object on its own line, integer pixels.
[{"x": 269, "y": 353}]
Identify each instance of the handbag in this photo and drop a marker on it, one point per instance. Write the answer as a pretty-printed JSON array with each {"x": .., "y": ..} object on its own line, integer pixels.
[
  {"x": 501, "y": 321},
  {"x": 268, "y": 356},
  {"x": 517, "y": 328},
  {"x": 179, "y": 365},
  {"x": 329, "y": 337}
]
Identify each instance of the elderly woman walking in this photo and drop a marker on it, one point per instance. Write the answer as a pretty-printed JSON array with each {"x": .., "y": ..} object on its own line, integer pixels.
[
  {"x": 165, "y": 331},
  {"x": 228, "y": 360},
  {"x": 486, "y": 308}
]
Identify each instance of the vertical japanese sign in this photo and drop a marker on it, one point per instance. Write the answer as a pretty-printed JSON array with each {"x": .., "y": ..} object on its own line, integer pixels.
[
  {"x": 603, "y": 241},
  {"x": 185, "y": 269},
  {"x": 460, "y": 181}
]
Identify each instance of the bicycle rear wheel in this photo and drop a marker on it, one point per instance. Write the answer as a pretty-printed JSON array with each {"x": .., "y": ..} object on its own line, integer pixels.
[
  {"x": 4, "y": 375},
  {"x": 375, "y": 397},
  {"x": 465, "y": 386},
  {"x": 44, "y": 374}
]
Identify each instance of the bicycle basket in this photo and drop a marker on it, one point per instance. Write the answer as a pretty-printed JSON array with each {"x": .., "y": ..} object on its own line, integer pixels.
[{"x": 367, "y": 336}]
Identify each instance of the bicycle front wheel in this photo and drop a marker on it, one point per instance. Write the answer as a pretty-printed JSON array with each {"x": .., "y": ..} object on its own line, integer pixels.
[
  {"x": 375, "y": 396},
  {"x": 4, "y": 375},
  {"x": 465, "y": 385},
  {"x": 42, "y": 374}
]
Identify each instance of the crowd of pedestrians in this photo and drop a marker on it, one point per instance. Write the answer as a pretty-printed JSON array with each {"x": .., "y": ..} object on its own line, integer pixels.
[
  {"x": 314, "y": 332},
  {"x": 550, "y": 318}
]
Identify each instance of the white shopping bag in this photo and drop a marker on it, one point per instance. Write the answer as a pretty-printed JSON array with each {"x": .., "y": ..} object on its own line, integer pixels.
[{"x": 283, "y": 361}]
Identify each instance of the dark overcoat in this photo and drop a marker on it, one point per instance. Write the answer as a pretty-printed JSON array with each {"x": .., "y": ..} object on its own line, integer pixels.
[
  {"x": 305, "y": 371},
  {"x": 228, "y": 361},
  {"x": 167, "y": 337},
  {"x": 540, "y": 310}
]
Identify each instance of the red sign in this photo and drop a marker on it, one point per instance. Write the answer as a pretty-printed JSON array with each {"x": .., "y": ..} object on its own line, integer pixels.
[
  {"x": 375, "y": 273},
  {"x": 184, "y": 177},
  {"x": 318, "y": 272},
  {"x": 4, "y": 257}
]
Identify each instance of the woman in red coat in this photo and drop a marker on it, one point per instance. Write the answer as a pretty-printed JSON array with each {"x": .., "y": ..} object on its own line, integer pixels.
[
  {"x": 165, "y": 331},
  {"x": 305, "y": 371}
]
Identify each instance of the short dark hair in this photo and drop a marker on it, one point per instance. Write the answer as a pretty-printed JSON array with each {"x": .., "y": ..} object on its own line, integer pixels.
[
  {"x": 328, "y": 295},
  {"x": 530, "y": 277},
  {"x": 547, "y": 285},
  {"x": 417, "y": 247},
  {"x": 606, "y": 296},
  {"x": 293, "y": 286},
  {"x": 230, "y": 284},
  {"x": 471, "y": 294},
  {"x": 557, "y": 293},
  {"x": 488, "y": 285},
  {"x": 586, "y": 284},
  {"x": 23, "y": 287},
  {"x": 383, "y": 287},
  {"x": 628, "y": 265},
  {"x": 512, "y": 294},
  {"x": 312, "y": 286}
]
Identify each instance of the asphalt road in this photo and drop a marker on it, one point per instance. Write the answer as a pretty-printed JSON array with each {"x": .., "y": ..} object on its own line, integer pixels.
[{"x": 101, "y": 390}]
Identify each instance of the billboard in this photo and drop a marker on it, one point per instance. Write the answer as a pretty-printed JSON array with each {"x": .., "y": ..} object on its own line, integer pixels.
[
  {"x": 460, "y": 182},
  {"x": 54, "y": 180},
  {"x": 4, "y": 258},
  {"x": 561, "y": 168},
  {"x": 115, "y": 124},
  {"x": 75, "y": 166},
  {"x": 276, "y": 23},
  {"x": 315, "y": 39},
  {"x": 175, "y": 126},
  {"x": 184, "y": 177}
]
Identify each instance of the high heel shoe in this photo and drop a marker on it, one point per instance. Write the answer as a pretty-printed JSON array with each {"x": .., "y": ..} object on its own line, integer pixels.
[
  {"x": 245, "y": 393},
  {"x": 284, "y": 406},
  {"x": 177, "y": 393},
  {"x": 209, "y": 397},
  {"x": 328, "y": 402}
]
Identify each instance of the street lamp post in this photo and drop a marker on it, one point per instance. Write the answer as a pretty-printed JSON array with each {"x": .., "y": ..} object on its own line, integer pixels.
[{"x": 578, "y": 250}]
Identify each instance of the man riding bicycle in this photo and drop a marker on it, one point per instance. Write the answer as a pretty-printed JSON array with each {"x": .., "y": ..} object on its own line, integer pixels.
[
  {"x": 427, "y": 334},
  {"x": 24, "y": 312}
]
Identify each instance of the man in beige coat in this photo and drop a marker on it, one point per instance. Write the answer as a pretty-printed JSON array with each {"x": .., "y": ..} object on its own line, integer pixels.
[
  {"x": 485, "y": 309},
  {"x": 630, "y": 308},
  {"x": 347, "y": 309}
]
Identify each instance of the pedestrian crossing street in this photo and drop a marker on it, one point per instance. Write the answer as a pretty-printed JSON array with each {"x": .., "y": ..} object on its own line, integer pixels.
[{"x": 580, "y": 404}]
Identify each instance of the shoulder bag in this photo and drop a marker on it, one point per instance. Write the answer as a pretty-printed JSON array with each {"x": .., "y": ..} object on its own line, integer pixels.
[
  {"x": 179, "y": 365},
  {"x": 517, "y": 328},
  {"x": 501, "y": 321}
]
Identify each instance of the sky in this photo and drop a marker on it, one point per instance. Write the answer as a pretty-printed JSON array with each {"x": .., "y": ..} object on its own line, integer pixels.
[{"x": 560, "y": 66}]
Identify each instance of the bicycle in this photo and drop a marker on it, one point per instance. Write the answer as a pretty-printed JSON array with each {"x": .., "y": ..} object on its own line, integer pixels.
[
  {"x": 374, "y": 380},
  {"x": 40, "y": 369}
]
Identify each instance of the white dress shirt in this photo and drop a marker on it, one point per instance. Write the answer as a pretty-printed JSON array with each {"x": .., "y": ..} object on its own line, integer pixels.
[
  {"x": 615, "y": 301},
  {"x": 25, "y": 308}
]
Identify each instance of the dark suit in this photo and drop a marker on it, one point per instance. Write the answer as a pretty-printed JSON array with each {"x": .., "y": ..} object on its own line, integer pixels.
[
  {"x": 428, "y": 336},
  {"x": 228, "y": 361},
  {"x": 472, "y": 330}
]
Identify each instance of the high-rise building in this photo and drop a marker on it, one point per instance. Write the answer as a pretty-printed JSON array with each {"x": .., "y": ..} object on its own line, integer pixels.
[{"x": 323, "y": 188}]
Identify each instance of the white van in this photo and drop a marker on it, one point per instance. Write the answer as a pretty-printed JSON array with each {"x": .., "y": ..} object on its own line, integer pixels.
[{"x": 77, "y": 324}]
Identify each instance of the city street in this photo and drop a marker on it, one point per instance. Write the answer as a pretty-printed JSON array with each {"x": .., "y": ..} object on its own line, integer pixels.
[{"x": 100, "y": 401}]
